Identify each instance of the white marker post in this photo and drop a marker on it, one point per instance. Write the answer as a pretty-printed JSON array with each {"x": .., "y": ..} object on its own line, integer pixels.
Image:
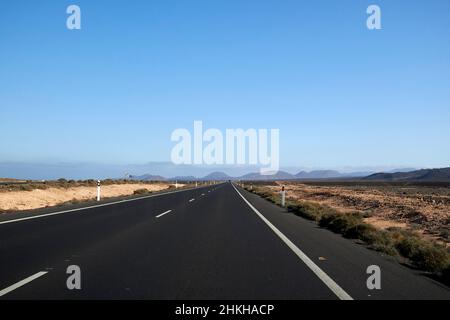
[
  {"x": 196, "y": 184},
  {"x": 98, "y": 190},
  {"x": 176, "y": 184},
  {"x": 283, "y": 197}
]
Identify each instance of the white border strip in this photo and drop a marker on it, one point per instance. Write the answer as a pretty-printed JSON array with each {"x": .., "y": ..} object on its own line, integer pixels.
[
  {"x": 94, "y": 206},
  {"x": 22, "y": 283},
  {"x": 160, "y": 215},
  {"x": 337, "y": 290}
]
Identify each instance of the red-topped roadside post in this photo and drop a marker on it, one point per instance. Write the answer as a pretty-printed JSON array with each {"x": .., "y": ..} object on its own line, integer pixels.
[{"x": 283, "y": 197}]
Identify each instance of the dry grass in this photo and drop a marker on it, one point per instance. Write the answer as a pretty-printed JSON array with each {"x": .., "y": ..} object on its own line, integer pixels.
[
  {"x": 426, "y": 255},
  {"x": 425, "y": 209},
  {"x": 57, "y": 193}
]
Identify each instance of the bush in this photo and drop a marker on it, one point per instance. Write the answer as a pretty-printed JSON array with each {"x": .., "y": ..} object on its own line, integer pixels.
[
  {"x": 360, "y": 231},
  {"x": 141, "y": 191},
  {"x": 431, "y": 257},
  {"x": 70, "y": 202},
  {"x": 425, "y": 255},
  {"x": 310, "y": 210},
  {"x": 268, "y": 195},
  {"x": 336, "y": 223},
  {"x": 352, "y": 226},
  {"x": 26, "y": 187},
  {"x": 381, "y": 240},
  {"x": 386, "y": 248},
  {"x": 301, "y": 212},
  {"x": 340, "y": 223},
  {"x": 408, "y": 246}
]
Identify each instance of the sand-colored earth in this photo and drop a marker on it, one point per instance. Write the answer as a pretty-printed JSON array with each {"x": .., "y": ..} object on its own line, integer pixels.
[
  {"x": 26, "y": 200},
  {"x": 423, "y": 208}
]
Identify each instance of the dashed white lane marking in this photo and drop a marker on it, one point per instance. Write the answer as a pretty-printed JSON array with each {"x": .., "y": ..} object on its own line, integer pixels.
[
  {"x": 91, "y": 207},
  {"x": 333, "y": 286},
  {"x": 22, "y": 283},
  {"x": 191, "y": 200},
  {"x": 160, "y": 215},
  {"x": 203, "y": 194}
]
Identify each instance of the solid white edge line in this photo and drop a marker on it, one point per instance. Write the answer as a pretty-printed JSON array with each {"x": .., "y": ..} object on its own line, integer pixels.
[
  {"x": 330, "y": 283},
  {"x": 160, "y": 215},
  {"x": 22, "y": 283},
  {"x": 91, "y": 207}
]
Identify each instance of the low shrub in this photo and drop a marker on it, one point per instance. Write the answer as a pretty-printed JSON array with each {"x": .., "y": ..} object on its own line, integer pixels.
[
  {"x": 431, "y": 257},
  {"x": 426, "y": 255},
  {"x": 384, "y": 248},
  {"x": 408, "y": 246},
  {"x": 339, "y": 222},
  {"x": 70, "y": 202},
  {"x": 310, "y": 210},
  {"x": 141, "y": 191},
  {"x": 361, "y": 231},
  {"x": 299, "y": 211}
]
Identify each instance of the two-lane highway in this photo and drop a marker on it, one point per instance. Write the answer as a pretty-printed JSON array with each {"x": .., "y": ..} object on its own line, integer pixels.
[{"x": 215, "y": 242}]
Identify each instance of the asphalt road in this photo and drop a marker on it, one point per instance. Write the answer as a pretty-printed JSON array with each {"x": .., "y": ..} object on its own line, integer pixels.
[{"x": 215, "y": 242}]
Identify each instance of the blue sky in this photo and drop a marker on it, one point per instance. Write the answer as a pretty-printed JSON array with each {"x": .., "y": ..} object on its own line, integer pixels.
[{"x": 114, "y": 91}]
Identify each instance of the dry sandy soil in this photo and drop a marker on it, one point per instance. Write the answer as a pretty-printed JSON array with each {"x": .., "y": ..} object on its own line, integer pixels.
[
  {"x": 425, "y": 209},
  {"x": 26, "y": 200}
]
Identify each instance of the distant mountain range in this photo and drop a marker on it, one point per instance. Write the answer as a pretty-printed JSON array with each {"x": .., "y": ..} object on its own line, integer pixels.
[
  {"x": 164, "y": 170},
  {"x": 217, "y": 175},
  {"x": 254, "y": 176},
  {"x": 400, "y": 175},
  {"x": 442, "y": 175},
  {"x": 148, "y": 177},
  {"x": 280, "y": 175}
]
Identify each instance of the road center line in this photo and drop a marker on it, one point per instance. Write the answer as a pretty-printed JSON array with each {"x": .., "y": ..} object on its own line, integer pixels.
[
  {"x": 90, "y": 207},
  {"x": 22, "y": 283},
  {"x": 191, "y": 200},
  {"x": 160, "y": 215},
  {"x": 333, "y": 286}
]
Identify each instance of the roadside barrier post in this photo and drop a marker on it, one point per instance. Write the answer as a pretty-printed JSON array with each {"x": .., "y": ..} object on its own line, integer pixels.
[
  {"x": 283, "y": 197},
  {"x": 98, "y": 190}
]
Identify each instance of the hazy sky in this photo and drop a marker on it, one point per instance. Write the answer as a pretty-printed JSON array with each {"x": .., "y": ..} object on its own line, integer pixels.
[{"x": 114, "y": 91}]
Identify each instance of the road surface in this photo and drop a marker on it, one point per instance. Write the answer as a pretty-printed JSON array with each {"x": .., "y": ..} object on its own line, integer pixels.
[{"x": 214, "y": 242}]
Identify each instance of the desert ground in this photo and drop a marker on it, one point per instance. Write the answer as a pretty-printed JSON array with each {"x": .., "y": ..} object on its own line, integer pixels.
[
  {"x": 19, "y": 197},
  {"x": 424, "y": 209}
]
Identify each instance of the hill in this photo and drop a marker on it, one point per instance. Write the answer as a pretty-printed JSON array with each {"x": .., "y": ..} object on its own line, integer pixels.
[
  {"x": 217, "y": 176},
  {"x": 148, "y": 177},
  {"x": 255, "y": 176},
  {"x": 318, "y": 174},
  {"x": 438, "y": 175}
]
